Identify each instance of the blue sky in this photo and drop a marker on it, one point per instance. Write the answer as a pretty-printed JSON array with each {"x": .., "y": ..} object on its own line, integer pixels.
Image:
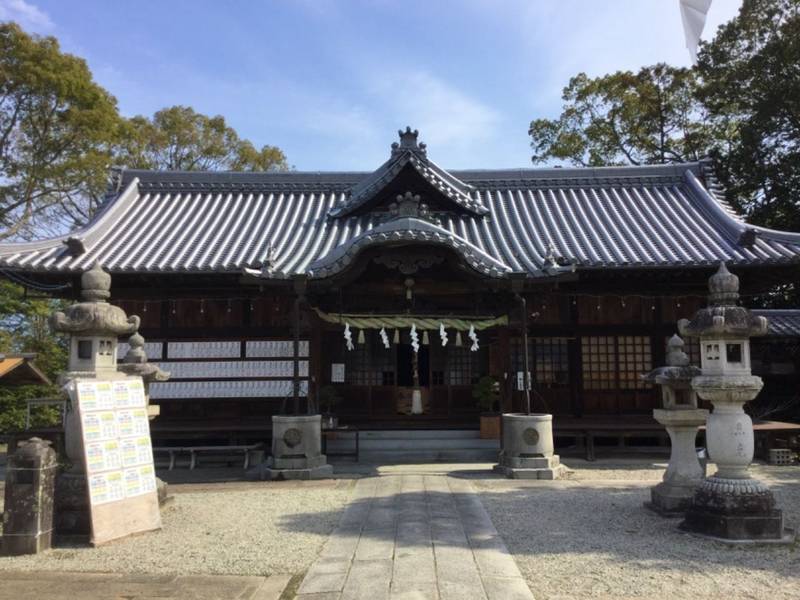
[{"x": 330, "y": 82}]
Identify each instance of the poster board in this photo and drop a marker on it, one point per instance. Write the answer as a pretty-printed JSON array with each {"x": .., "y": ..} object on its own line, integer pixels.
[{"x": 118, "y": 457}]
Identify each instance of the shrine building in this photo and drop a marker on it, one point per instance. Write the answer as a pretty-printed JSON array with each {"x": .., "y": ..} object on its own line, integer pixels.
[{"x": 264, "y": 292}]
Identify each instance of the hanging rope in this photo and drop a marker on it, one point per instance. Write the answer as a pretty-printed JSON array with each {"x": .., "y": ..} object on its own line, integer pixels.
[{"x": 406, "y": 321}]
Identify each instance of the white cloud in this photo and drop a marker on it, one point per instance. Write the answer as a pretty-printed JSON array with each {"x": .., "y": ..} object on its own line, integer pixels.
[
  {"x": 454, "y": 123},
  {"x": 26, "y": 14}
]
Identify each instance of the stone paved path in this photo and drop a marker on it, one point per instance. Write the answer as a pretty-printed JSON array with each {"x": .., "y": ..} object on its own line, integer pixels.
[
  {"x": 414, "y": 537},
  {"x": 54, "y": 585}
]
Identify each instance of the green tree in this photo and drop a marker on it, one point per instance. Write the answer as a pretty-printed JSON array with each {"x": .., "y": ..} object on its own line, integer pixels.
[
  {"x": 180, "y": 139},
  {"x": 750, "y": 76},
  {"x": 24, "y": 328},
  {"x": 648, "y": 117},
  {"x": 56, "y": 128}
]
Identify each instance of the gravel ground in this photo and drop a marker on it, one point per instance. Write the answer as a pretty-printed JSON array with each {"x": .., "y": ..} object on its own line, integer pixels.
[
  {"x": 590, "y": 537},
  {"x": 260, "y": 530}
]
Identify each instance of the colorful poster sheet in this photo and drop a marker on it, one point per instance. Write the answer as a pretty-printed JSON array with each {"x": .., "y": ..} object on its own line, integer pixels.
[{"x": 116, "y": 439}]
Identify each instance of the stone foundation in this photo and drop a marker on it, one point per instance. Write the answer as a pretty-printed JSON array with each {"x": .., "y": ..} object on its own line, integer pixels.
[
  {"x": 515, "y": 467},
  {"x": 736, "y": 510}
]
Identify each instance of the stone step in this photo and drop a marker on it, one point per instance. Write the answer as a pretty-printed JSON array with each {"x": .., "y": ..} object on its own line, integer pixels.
[
  {"x": 424, "y": 444},
  {"x": 416, "y": 456},
  {"x": 407, "y": 434}
]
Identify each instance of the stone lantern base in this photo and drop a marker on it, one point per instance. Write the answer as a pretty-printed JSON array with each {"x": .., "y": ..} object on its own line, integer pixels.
[
  {"x": 736, "y": 511},
  {"x": 673, "y": 496},
  {"x": 528, "y": 448},
  {"x": 296, "y": 450}
]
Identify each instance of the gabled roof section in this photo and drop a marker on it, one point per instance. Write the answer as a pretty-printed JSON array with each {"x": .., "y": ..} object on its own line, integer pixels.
[
  {"x": 406, "y": 226},
  {"x": 540, "y": 222},
  {"x": 781, "y": 322},
  {"x": 409, "y": 153}
]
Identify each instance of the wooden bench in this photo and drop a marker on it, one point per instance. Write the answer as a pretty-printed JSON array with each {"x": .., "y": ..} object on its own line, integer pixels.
[
  {"x": 195, "y": 451},
  {"x": 585, "y": 431}
]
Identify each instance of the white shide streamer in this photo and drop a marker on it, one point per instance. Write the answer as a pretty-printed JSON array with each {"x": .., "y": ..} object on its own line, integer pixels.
[
  {"x": 348, "y": 337},
  {"x": 474, "y": 337},
  {"x": 384, "y": 338}
]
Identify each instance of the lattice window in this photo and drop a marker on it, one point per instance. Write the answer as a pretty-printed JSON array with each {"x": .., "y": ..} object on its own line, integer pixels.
[
  {"x": 635, "y": 359},
  {"x": 549, "y": 359},
  {"x": 370, "y": 363},
  {"x": 599, "y": 355},
  {"x": 465, "y": 367}
]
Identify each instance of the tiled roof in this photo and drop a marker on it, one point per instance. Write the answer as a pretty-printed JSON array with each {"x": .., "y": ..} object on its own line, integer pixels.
[
  {"x": 283, "y": 224},
  {"x": 782, "y": 323}
]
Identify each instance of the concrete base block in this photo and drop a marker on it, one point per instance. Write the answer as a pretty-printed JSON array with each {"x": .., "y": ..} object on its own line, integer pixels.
[
  {"x": 670, "y": 500},
  {"x": 299, "y": 462},
  {"x": 556, "y": 472},
  {"x": 322, "y": 472},
  {"x": 17, "y": 545},
  {"x": 524, "y": 462}
]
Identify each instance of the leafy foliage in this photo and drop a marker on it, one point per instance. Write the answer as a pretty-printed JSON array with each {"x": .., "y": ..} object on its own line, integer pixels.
[
  {"x": 647, "y": 117},
  {"x": 740, "y": 106},
  {"x": 180, "y": 139},
  {"x": 60, "y": 132},
  {"x": 24, "y": 328},
  {"x": 56, "y": 128},
  {"x": 486, "y": 393},
  {"x": 750, "y": 76}
]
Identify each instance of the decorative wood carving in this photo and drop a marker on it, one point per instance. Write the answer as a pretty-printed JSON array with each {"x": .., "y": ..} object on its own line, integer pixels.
[{"x": 408, "y": 262}]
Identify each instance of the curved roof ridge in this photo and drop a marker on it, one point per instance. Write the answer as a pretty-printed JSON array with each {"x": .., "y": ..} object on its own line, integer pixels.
[
  {"x": 101, "y": 219},
  {"x": 407, "y": 229}
]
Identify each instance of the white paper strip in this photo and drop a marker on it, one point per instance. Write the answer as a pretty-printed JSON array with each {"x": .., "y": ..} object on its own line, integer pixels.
[{"x": 693, "y": 15}]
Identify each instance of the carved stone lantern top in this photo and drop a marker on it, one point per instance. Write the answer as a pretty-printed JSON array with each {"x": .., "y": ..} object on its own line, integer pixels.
[
  {"x": 135, "y": 362},
  {"x": 678, "y": 373},
  {"x": 94, "y": 316},
  {"x": 723, "y": 318}
]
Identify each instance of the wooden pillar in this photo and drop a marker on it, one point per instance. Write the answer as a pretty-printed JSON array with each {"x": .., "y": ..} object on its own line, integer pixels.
[
  {"x": 502, "y": 368},
  {"x": 315, "y": 358},
  {"x": 300, "y": 290},
  {"x": 575, "y": 360}
]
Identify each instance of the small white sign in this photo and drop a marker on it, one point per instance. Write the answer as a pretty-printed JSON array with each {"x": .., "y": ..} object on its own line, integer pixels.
[
  {"x": 337, "y": 373},
  {"x": 521, "y": 380}
]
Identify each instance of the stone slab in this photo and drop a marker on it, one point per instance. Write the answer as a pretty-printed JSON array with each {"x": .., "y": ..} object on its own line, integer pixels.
[
  {"x": 546, "y": 474},
  {"x": 323, "y": 472},
  {"x": 414, "y": 537},
  {"x": 35, "y": 585}
]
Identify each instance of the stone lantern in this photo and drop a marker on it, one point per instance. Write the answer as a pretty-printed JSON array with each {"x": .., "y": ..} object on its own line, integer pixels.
[
  {"x": 135, "y": 363},
  {"x": 94, "y": 326},
  {"x": 681, "y": 417},
  {"x": 730, "y": 505}
]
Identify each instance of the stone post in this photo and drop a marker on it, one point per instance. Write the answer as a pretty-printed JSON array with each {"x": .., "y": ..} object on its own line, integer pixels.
[
  {"x": 28, "y": 511},
  {"x": 681, "y": 418},
  {"x": 730, "y": 506},
  {"x": 296, "y": 450}
]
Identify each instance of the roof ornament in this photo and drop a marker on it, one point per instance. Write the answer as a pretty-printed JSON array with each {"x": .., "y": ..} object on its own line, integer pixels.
[
  {"x": 267, "y": 265},
  {"x": 411, "y": 205},
  {"x": 114, "y": 180},
  {"x": 408, "y": 142},
  {"x": 748, "y": 237},
  {"x": 75, "y": 246},
  {"x": 723, "y": 287},
  {"x": 555, "y": 264}
]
